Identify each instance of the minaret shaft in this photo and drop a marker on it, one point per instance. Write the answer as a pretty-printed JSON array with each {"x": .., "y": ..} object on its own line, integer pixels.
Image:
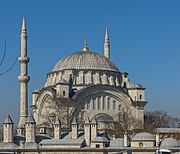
[
  {"x": 23, "y": 77},
  {"x": 23, "y": 43},
  {"x": 23, "y": 100}
]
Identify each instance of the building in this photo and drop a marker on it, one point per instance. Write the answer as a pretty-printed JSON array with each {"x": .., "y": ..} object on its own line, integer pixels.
[
  {"x": 83, "y": 96},
  {"x": 89, "y": 140},
  {"x": 87, "y": 84}
]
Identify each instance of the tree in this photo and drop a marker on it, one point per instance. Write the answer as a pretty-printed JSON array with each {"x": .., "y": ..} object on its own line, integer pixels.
[
  {"x": 125, "y": 123},
  {"x": 174, "y": 122},
  {"x": 156, "y": 119},
  {"x": 2, "y": 60},
  {"x": 57, "y": 106}
]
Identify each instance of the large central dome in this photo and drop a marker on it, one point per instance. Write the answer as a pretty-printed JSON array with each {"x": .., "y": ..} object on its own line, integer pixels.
[{"x": 85, "y": 60}]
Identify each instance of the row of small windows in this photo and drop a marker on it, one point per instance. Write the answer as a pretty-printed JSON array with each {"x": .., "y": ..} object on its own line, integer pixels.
[
  {"x": 98, "y": 145},
  {"x": 102, "y": 103},
  {"x": 7, "y": 125},
  {"x": 88, "y": 78}
]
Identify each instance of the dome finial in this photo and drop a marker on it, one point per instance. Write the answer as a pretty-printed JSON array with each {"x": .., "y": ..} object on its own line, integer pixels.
[{"x": 85, "y": 45}]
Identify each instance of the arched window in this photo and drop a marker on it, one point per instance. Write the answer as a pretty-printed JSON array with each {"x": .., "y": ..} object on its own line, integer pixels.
[
  {"x": 141, "y": 145},
  {"x": 88, "y": 105},
  {"x": 114, "y": 105},
  {"x": 124, "y": 86},
  {"x": 108, "y": 103},
  {"x": 93, "y": 104},
  {"x": 103, "y": 103},
  {"x": 119, "y": 107},
  {"x": 140, "y": 96},
  {"x": 98, "y": 103}
]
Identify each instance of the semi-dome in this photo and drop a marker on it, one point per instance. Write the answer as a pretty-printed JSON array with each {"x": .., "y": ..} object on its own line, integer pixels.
[{"x": 85, "y": 60}]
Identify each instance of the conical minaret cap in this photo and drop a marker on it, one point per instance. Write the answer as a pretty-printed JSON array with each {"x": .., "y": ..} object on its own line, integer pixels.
[
  {"x": 74, "y": 122},
  {"x": 8, "y": 120},
  {"x": 93, "y": 120},
  {"x": 24, "y": 24},
  {"x": 30, "y": 120},
  {"x": 87, "y": 121},
  {"x": 107, "y": 34}
]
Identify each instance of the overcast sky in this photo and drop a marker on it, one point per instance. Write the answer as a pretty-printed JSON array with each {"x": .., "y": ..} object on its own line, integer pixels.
[{"x": 144, "y": 37}]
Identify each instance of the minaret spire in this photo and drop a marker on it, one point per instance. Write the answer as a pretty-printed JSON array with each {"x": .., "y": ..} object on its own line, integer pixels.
[
  {"x": 23, "y": 79},
  {"x": 107, "y": 44},
  {"x": 24, "y": 24}
]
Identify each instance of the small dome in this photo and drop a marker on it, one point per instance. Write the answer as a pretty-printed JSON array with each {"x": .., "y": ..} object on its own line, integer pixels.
[
  {"x": 169, "y": 142},
  {"x": 118, "y": 142},
  {"x": 100, "y": 139},
  {"x": 85, "y": 60},
  {"x": 144, "y": 136},
  {"x": 102, "y": 117}
]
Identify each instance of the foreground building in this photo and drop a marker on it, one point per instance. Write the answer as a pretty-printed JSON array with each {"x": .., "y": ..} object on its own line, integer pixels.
[
  {"x": 84, "y": 94},
  {"x": 89, "y": 140}
]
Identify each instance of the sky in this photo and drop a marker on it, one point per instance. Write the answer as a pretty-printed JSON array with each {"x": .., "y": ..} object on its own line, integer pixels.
[{"x": 144, "y": 37}]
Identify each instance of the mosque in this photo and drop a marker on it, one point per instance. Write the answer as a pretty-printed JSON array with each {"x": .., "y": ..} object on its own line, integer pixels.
[{"x": 85, "y": 94}]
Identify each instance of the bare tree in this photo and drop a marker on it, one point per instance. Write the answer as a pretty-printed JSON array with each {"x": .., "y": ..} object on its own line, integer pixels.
[
  {"x": 125, "y": 122},
  {"x": 58, "y": 106},
  {"x": 2, "y": 60},
  {"x": 174, "y": 122},
  {"x": 156, "y": 119}
]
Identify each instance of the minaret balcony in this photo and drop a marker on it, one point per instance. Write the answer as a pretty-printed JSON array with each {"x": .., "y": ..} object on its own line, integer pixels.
[
  {"x": 23, "y": 59},
  {"x": 24, "y": 78},
  {"x": 140, "y": 104}
]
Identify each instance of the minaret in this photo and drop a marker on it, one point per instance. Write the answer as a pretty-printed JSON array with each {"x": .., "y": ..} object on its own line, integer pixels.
[
  {"x": 107, "y": 45},
  {"x": 23, "y": 79},
  {"x": 8, "y": 130}
]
